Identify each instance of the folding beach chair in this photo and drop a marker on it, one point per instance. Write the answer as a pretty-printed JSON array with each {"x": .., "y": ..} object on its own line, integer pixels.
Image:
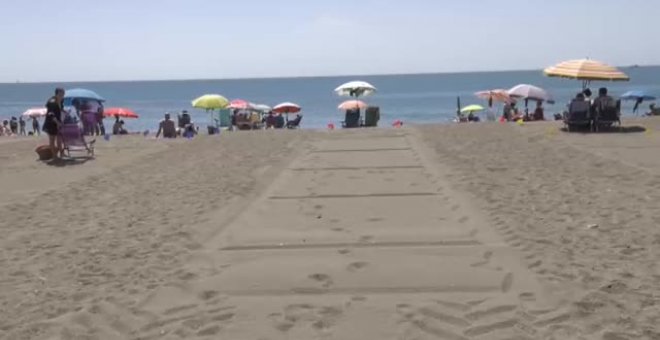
[
  {"x": 608, "y": 115},
  {"x": 294, "y": 124},
  {"x": 578, "y": 115},
  {"x": 73, "y": 140}
]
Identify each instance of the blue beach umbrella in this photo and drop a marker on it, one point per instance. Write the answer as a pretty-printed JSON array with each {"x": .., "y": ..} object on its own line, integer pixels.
[
  {"x": 84, "y": 94},
  {"x": 638, "y": 96}
]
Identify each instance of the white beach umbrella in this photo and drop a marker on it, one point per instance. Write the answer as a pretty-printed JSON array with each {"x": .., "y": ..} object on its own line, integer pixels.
[
  {"x": 35, "y": 112},
  {"x": 261, "y": 107},
  {"x": 530, "y": 92},
  {"x": 355, "y": 89}
]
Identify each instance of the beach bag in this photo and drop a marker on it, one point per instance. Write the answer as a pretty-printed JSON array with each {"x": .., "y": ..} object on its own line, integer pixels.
[{"x": 45, "y": 152}]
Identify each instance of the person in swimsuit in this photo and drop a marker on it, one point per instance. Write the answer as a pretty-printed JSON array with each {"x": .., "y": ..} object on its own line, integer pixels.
[
  {"x": 53, "y": 122},
  {"x": 167, "y": 127}
]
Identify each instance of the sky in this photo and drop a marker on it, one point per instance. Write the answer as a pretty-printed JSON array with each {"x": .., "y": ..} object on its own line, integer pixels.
[{"x": 84, "y": 40}]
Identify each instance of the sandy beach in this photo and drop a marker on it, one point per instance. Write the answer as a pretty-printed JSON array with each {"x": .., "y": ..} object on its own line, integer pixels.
[{"x": 466, "y": 231}]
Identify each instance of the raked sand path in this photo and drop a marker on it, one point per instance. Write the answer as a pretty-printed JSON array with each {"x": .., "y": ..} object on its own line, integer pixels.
[{"x": 360, "y": 237}]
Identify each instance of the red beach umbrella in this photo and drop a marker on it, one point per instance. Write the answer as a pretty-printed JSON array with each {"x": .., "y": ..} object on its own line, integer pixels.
[{"x": 119, "y": 111}]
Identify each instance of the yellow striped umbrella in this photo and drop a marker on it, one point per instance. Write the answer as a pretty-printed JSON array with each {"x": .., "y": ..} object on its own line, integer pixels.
[{"x": 586, "y": 70}]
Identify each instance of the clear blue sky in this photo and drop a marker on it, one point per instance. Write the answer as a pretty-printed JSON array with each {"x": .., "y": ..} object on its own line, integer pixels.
[{"x": 46, "y": 40}]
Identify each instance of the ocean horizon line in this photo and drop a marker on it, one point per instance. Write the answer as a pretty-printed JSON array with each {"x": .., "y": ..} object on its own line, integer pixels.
[{"x": 18, "y": 82}]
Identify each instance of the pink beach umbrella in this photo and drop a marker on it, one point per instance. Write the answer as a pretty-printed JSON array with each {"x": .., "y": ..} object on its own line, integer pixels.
[
  {"x": 498, "y": 95},
  {"x": 352, "y": 105},
  {"x": 239, "y": 104},
  {"x": 35, "y": 112}
]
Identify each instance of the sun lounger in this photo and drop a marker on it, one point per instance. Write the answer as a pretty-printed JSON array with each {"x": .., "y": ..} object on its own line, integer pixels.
[
  {"x": 578, "y": 116},
  {"x": 73, "y": 140}
]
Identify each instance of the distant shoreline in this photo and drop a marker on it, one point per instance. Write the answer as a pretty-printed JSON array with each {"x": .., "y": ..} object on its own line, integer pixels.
[{"x": 285, "y": 77}]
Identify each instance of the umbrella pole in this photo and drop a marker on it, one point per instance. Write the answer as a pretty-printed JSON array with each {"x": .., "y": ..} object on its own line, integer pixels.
[{"x": 458, "y": 106}]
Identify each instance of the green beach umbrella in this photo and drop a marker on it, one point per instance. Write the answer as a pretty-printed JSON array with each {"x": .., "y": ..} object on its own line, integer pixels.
[
  {"x": 210, "y": 102},
  {"x": 472, "y": 108}
]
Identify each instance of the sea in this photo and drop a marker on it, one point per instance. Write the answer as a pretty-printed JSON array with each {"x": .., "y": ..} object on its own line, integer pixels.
[{"x": 411, "y": 99}]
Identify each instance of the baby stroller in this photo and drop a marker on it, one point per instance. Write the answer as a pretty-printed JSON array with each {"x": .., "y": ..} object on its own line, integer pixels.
[{"x": 73, "y": 140}]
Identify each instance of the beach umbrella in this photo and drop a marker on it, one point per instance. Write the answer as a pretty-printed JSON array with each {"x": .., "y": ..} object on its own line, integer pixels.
[
  {"x": 530, "y": 92},
  {"x": 210, "y": 102},
  {"x": 119, "y": 111},
  {"x": 638, "y": 96},
  {"x": 287, "y": 108},
  {"x": 261, "y": 107},
  {"x": 355, "y": 89},
  {"x": 586, "y": 70},
  {"x": 472, "y": 108},
  {"x": 81, "y": 94},
  {"x": 498, "y": 95},
  {"x": 352, "y": 105},
  {"x": 35, "y": 112},
  {"x": 458, "y": 106},
  {"x": 239, "y": 104}
]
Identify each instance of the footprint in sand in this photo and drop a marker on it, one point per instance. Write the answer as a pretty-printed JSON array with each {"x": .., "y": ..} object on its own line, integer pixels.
[
  {"x": 344, "y": 251},
  {"x": 356, "y": 266},
  {"x": 324, "y": 279},
  {"x": 366, "y": 239},
  {"x": 527, "y": 296},
  {"x": 463, "y": 219},
  {"x": 208, "y": 295}
]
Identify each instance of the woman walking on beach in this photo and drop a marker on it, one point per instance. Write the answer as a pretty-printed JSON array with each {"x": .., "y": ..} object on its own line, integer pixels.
[{"x": 53, "y": 122}]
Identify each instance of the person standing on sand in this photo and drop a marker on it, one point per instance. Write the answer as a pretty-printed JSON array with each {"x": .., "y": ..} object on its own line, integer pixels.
[
  {"x": 100, "y": 128},
  {"x": 35, "y": 126},
  {"x": 21, "y": 126},
  {"x": 167, "y": 127},
  {"x": 53, "y": 122}
]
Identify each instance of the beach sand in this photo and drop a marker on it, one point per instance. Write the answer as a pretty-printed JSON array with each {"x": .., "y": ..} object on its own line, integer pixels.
[{"x": 472, "y": 231}]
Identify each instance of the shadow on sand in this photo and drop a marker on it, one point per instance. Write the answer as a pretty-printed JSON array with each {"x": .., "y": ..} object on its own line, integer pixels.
[
  {"x": 69, "y": 161},
  {"x": 611, "y": 129}
]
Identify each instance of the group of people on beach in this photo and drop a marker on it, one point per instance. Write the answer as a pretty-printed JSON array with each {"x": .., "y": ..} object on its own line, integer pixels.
[
  {"x": 511, "y": 113},
  {"x": 17, "y": 127}
]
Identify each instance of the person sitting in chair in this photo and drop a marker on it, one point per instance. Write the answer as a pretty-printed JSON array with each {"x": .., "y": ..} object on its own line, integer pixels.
[
  {"x": 292, "y": 124},
  {"x": 279, "y": 122},
  {"x": 603, "y": 100},
  {"x": 539, "y": 112},
  {"x": 271, "y": 120}
]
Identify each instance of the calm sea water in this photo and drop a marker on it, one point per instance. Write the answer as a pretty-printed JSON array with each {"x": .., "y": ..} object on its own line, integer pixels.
[{"x": 423, "y": 98}]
